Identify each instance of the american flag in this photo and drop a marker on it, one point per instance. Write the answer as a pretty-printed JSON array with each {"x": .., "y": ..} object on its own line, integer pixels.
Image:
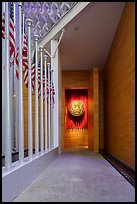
[
  {"x": 11, "y": 32},
  {"x": 32, "y": 72},
  {"x": 25, "y": 63},
  {"x": 52, "y": 94},
  {"x": 39, "y": 83}
]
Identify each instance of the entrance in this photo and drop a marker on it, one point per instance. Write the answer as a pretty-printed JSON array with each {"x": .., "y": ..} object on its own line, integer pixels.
[{"x": 76, "y": 118}]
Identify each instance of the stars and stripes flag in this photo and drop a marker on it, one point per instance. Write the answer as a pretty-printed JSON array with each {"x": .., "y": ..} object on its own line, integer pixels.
[
  {"x": 25, "y": 63},
  {"x": 11, "y": 32},
  {"x": 43, "y": 82},
  {"x": 52, "y": 94}
]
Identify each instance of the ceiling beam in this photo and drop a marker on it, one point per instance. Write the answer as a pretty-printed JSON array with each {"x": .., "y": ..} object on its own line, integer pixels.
[{"x": 63, "y": 22}]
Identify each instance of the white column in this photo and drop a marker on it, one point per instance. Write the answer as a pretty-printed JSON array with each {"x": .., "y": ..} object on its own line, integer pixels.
[
  {"x": 14, "y": 87},
  {"x": 57, "y": 83},
  {"x": 51, "y": 119},
  {"x": 30, "y": 144},
  {"x": 41, "y": 102},
  {"x": 21, "y": 116},
  {"x": 6, "y": 101},
  {"x": 36, "y": 37},
  {"x": 46, "y": 139},
  {"x": 16, "y": 107},
  {"x": 3, "y": 87},
  {"x": 49, "y": 105}
]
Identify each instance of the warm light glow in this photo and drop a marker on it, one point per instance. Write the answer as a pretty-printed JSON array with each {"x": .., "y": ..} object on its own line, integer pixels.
[
  {"x": 77, "y": 107},
  {"x": 76, "y": 103}
]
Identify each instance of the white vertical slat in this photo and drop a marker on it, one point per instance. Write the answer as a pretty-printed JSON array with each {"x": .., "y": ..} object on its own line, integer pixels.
[
  {"x": 14, "y": 87},
  {"x": 55, "y": 64},
  {"x": 30, "y": 144},
  {"x": 52, "y": 120},
  {"x": 3, "y": 86},
  {"x": 41, "y": 101},
  {"x": 45, "y": 65},
  {"x": 36, "y": 37},
  {"x": 49, "y": 106},
  {"x": 21, "y": 111},
  {"x": 7, "y": 127}
]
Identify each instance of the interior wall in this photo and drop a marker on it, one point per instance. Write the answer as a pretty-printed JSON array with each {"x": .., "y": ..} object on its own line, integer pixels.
[
  {"x": 25, "y": 95},
  {"x": 101, "y": 111},
  {"x": 76, "y": 80},
  {"x": 76, "y": 128},
  {"x": 90, "y": 113},
  {"x": 119, "y": 91}
]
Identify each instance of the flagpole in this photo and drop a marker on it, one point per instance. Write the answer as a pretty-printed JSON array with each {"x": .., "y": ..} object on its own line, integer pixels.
[
  {"x": 30, "y": 147},
  {"x": 41, "y": 101},
  {"x": 52, "y": 123},
  {"x": 3, "y": 85},
  {"x": 49, "y": 103},
  {"x": 46, "y": 141},
  {"x": 14, "y": 87},
  {"x": 21, "y": 109},
  {"x": 7, "y": 127},
  {"x": 36, "y": 37}
]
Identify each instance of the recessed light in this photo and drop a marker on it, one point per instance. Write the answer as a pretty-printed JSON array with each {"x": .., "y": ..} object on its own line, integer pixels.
[{"x": 76, "y": 28}]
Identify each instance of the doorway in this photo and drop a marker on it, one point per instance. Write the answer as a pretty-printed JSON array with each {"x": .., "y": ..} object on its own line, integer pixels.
[{"x": 76, "y": 118}]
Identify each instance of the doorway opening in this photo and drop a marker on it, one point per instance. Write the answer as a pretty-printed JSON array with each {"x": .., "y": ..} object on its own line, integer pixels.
[{"x": 76, "y": 119}]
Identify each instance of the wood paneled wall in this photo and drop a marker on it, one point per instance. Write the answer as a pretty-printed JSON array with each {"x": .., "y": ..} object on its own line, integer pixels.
[
  {"x": 96, "y": 108},
  {"x": 25, "y": 90},
  {"x": 89, "y": 137},
  {"x": 75, "y": 80},
  {"x": 101, "y": 111},
  {"x": 90, "y": 113},
  {"x": 119, "y": 91}
]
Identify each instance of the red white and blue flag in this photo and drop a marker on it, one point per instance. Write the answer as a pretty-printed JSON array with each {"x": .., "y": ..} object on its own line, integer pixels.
[{"x": 11, "y": 32}]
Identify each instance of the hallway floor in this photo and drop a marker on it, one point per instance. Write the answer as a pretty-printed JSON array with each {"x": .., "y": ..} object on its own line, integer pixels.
[{"x": 79, "y": 176}]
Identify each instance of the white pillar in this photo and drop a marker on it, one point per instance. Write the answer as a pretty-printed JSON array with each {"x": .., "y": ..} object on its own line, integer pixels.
[
  {"x": 16, "y": 107},
  {"x": 7, "y": 118},
  {"x": 36, "y": 37},
  {"x": 30, "y": 144},
  {"x": 3, "y": 87},
  {"x": 51, "y": 112},
  {"x": 46, "y": 139},
  {"x": 14, "y": 86},
  {"x": 21, "y": 116},
  {"x": 41, "y": 101},
  {"x": 49, "y": 106},
  {"x": 57, "y": 83}
]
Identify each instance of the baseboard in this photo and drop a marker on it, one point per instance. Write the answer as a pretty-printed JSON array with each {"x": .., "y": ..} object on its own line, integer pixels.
[{"x": 127, "y": 172}]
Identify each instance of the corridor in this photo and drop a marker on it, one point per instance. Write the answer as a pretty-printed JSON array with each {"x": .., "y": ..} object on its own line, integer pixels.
[{"x": 79, "y": 175}]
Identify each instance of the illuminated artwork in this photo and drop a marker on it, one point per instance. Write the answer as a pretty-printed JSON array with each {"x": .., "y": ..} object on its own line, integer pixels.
[{"x": 77, "y": 107}]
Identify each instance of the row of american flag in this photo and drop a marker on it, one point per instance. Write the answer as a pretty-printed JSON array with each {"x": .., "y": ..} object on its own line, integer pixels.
[{"x": 14, "y": 58}]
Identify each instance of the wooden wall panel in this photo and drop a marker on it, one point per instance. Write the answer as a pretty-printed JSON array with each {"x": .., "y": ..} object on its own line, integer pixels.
[
  {"x": 96, "y": 108},
  {"x": 119, "y": 91},
  {"x": 101, "y": 111},
  {"x": 82, "y": 79},
  {"x": 76, "y": 138},
  {"x": 25, "y": 90},
  {"x": 73, "y": 79},
  {"x": 90, "y": 113}
]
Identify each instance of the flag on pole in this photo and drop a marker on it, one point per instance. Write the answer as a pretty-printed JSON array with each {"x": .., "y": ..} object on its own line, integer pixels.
[
  {"x": 33, "y": 72},
  {"x": 11, "y": 32},
  {"x": 25, "y": 63},
  {"x": 24, "y": 59},
  {"x": 3, "y": 26},
  {"x": 39, "y": 83},
  {"x": 52, "y": 94}
]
